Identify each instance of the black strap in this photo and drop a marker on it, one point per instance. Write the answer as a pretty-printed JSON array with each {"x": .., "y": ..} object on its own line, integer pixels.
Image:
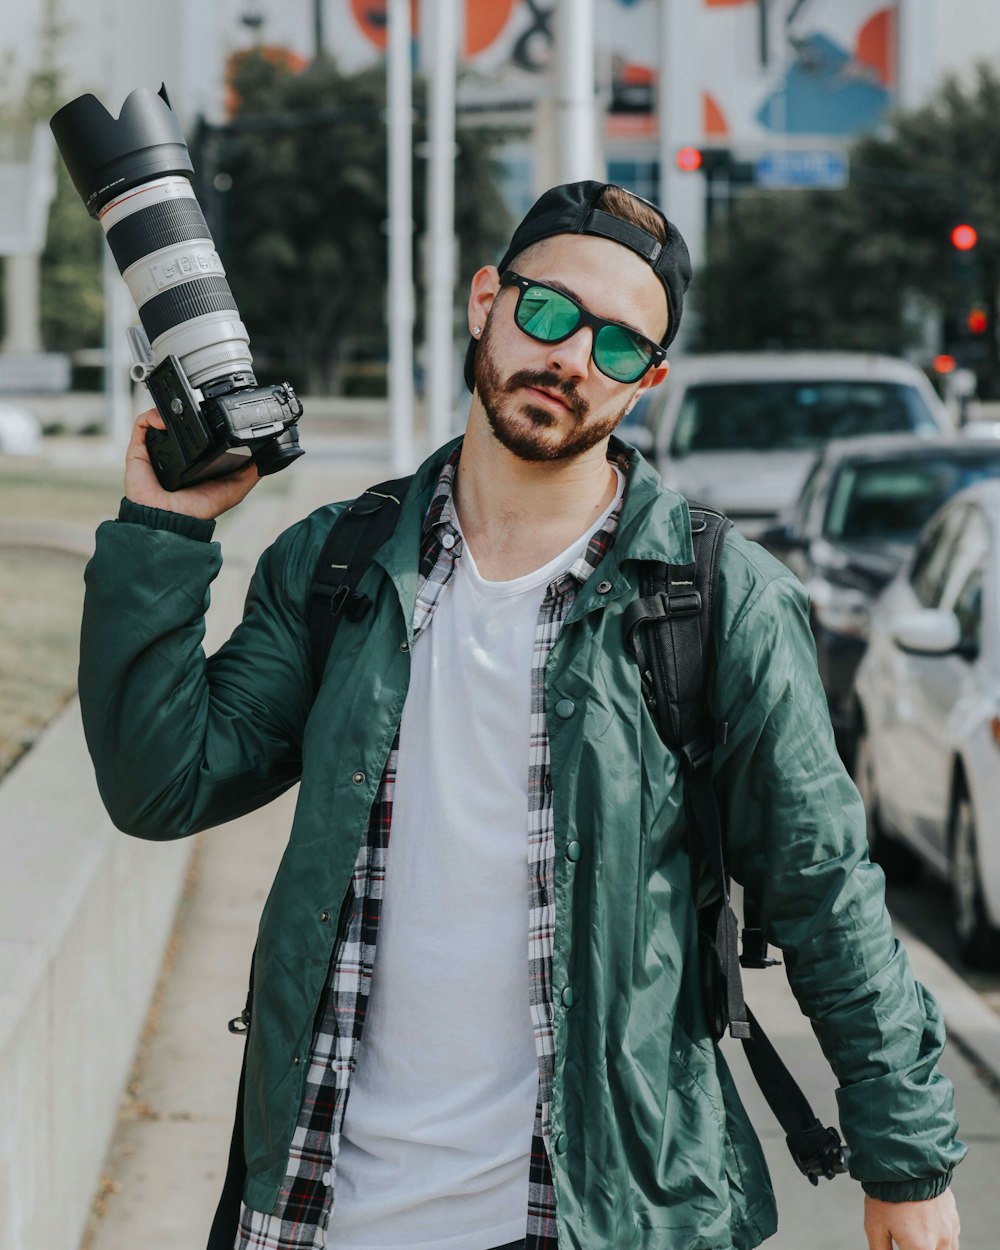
[
  {"x": 669, "y": 631},
  {"x": 353, "y": 540},
  {"x": 226, "y": 1224}
]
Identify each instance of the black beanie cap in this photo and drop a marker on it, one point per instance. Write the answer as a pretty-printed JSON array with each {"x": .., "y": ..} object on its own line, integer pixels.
[{"x": 569, "y": 209}]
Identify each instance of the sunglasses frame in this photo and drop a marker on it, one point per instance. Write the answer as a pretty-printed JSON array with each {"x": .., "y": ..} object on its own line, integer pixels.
[{"x": 586, "y": 318}]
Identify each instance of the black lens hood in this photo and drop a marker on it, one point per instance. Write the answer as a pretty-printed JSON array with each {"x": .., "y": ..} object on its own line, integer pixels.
[{"x": 108, "y": 155}]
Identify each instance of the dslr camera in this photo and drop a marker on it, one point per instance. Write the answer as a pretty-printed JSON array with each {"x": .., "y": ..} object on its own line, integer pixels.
[{"x": 192, "y": 350}]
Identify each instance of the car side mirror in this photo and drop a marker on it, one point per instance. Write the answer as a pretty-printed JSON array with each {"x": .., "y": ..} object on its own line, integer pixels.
[
  {"x": 931, "y": 631},
  {"x": 782, "y": 537}
]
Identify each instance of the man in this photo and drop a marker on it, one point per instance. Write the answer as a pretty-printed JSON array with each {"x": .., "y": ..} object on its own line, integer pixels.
[{"x": 535, "y": 1067}]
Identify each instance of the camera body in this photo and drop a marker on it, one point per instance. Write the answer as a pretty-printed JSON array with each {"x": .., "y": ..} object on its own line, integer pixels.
[
  {"x": 192, "y": 350},
  {"x": 219, "y": 429}
]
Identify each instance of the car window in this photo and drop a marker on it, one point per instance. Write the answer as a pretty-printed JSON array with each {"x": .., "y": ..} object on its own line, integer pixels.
[
  {"x": 880, "y": 500},
  {"x": 968, "y": 607},
  {"x": 968, "y": 553},
  {"x": 807, "y": 496},
  {"x": 794, "y": 416},
  {"x": 932, "y": 562}
]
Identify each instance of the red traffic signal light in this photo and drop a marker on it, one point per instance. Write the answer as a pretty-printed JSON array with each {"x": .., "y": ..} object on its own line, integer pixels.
[
  {"x": 977, "y": 321},
  {"x": 964, "y": 238},
  {"x": 945, "y": 364},
  {"x": 688, "y": 159}
]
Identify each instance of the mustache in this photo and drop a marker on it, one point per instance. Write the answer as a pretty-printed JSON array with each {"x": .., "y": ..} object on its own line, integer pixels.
[{"x": 551, "y": 382}]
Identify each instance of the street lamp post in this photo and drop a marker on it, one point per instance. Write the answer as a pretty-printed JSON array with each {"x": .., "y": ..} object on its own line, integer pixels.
[
  {"x": 441, "y": 219},
  {"x": 400, "y": 313}
]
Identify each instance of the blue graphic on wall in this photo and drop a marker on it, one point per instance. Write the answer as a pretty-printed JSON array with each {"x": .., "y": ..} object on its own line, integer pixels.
[{"x": 824, "y": 93}]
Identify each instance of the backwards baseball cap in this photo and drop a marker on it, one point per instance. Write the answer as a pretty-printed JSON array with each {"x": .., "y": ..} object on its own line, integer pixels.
[{"x": 570, "y": 209}]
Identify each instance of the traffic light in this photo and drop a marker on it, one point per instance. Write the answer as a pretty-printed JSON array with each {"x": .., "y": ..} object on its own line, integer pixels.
[
  {"x": 689, "y": 159},
  {"x": 964, "y": 237},
  {"x": 978, "y": 321}
]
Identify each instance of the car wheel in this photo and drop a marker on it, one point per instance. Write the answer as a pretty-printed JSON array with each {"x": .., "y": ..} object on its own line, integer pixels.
[
  {"x": 978, "y": 940},
  {"x": 897, "y": 861}
]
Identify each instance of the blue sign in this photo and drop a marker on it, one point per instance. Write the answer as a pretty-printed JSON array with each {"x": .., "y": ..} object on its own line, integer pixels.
[{"x": 802, "y": 169}]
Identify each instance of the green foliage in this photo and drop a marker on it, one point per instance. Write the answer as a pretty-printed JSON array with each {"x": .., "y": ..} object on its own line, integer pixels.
[
  {"x": 840, "y": 269},
  {"x": 71, "y": 297},
  {"x": 302, "y": 229}
]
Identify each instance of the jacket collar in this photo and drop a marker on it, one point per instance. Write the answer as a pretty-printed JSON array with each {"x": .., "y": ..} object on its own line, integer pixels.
[{"x": 654, "y": 525}]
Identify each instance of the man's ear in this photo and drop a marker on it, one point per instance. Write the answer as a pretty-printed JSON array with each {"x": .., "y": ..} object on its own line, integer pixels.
[
  {"x": 652, "y": 377},
  {"x": 483, "y": 291}
]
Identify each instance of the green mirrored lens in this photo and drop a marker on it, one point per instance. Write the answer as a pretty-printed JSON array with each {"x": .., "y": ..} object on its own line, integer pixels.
[
  {"x": 620, "y": 354},
  {"x": 547, "y": 315}
]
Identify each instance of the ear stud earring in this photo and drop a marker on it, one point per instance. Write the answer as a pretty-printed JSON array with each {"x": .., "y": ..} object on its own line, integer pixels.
[{"x": 477, "y": 330}]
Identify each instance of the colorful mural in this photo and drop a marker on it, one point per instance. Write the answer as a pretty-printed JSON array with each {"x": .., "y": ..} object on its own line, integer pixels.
[{"x": 770, "y": 68}]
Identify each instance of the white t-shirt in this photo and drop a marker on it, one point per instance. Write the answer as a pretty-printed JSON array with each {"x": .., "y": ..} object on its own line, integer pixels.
[{"x": 435, "y": 1146}]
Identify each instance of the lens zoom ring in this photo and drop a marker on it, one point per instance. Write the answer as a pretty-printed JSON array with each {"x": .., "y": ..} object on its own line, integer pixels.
[
  {"x": 182, "y": 303},
  {"x": 156, "y": 226}
]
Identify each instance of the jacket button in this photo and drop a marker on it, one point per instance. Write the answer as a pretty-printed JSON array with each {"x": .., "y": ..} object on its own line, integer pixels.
[
  {"x": 568, "y": 997},
  {"x": 358, "y": 779},
  {"x": 296, "y": 1061},
  {"x": 573, "y": 851},
  {"x": 326, "y": 1178},
  {"x": 603, "y": 587},
  {"x": 562, "y": 1142},
  {"x": 565, "y": 709},
  {"x": 324, "y": 916},
  {"x": 404, "y": 646}
]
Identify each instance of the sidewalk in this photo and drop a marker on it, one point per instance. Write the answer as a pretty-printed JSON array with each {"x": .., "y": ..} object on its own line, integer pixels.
[{"x": 165, "y": 1169}]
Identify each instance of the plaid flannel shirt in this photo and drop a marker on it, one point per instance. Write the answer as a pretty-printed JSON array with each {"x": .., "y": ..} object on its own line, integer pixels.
[{"x": 305, "y": 1201}]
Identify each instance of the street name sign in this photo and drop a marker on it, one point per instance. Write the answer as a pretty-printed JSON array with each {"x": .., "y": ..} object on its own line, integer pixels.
[{"x": 807, "y": 169}]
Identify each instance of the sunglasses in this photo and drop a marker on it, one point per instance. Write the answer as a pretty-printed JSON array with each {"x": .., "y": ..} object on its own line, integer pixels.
[{"x": 549, "y": 316}]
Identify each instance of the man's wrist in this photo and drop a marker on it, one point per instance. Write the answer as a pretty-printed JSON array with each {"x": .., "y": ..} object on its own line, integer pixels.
[
  {"x": 199, "y": 529},
  {"x": 919, "y": 1189}
]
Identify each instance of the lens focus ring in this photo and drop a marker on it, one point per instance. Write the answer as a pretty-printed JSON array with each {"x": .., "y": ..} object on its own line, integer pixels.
[
  {"x": 182, "y": 303},
  {"x": 154, "y": 227}
]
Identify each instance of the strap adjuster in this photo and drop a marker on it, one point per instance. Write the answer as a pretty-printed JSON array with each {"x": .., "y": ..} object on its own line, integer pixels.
[{"x": 817, "y": 1152}]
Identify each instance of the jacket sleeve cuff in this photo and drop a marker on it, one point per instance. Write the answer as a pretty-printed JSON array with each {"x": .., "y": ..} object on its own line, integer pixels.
[
  {"x": 158, "y": 519},
  {"x": 916, "y": 1190}
]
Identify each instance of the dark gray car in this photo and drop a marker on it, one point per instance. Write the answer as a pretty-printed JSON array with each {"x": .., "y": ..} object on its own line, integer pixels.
[{"x": 860, "y": 512}]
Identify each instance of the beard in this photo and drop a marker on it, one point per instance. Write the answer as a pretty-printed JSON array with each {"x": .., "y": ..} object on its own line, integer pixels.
[{"x": 527, "y": 430}]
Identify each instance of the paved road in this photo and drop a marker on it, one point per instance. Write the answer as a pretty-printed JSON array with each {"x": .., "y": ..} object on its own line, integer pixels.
[{"x": 166, "y": 1165}]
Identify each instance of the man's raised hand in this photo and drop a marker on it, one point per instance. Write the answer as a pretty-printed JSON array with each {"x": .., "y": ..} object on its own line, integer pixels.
[{"x": 206, "y": 500}]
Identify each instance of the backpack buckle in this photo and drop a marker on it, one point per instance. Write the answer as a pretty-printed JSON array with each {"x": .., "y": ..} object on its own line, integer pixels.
[{"x": 817, "y": 1152}]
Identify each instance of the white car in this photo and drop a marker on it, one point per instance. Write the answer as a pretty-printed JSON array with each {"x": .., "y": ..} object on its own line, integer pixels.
[
  {"x": 740, "y": 431},
  {"x": 20, "y": 431},
  {"x": 928, "y": 752}
]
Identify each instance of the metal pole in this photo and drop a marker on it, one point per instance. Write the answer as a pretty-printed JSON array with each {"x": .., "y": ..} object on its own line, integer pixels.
[
  {"x": 318, "y": 39},
  {"x": 576, "y": 91},
  {"x": 400, "y": 318},
  {"x": 441, "y": 221},
  {"x": 682, "y": 195}
]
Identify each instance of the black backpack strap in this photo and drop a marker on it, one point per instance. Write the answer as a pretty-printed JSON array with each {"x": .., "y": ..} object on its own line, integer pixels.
[
  {"x": 669, "y": 631},
  {"x": 354, "y": 537},
  {"x": 225, "y": 1226}
]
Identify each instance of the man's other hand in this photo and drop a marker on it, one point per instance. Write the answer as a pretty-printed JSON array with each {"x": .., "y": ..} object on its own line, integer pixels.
[
  {"x": 929, "y": 1225},
  {"x": 206, "y": 500}
]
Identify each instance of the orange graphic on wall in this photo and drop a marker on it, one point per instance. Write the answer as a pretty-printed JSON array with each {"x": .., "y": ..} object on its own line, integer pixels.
[
  {"x": 876, "y": 45},
  {"x": 483, "y": 22},
  {"x": 713, "y": 118}
]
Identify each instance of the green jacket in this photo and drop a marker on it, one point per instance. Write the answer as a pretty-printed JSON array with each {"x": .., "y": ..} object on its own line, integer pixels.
[{"x": 656, "y": 1149}]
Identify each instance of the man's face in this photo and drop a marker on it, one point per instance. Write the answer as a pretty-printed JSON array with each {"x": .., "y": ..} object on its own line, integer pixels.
[{"x": 549, "y": 401}]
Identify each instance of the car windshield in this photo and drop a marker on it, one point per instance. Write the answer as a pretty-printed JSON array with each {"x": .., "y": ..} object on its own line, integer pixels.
[
  {"x": 893, "y": 499},
  {"x": 794, "y": 416}
]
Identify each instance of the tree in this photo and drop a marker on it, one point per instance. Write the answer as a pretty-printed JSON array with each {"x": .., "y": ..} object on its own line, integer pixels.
[
  {"x": 302, "y": 231},
  {"x": 71, "y": 297},
  {"x": 842, "y": 269}
]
